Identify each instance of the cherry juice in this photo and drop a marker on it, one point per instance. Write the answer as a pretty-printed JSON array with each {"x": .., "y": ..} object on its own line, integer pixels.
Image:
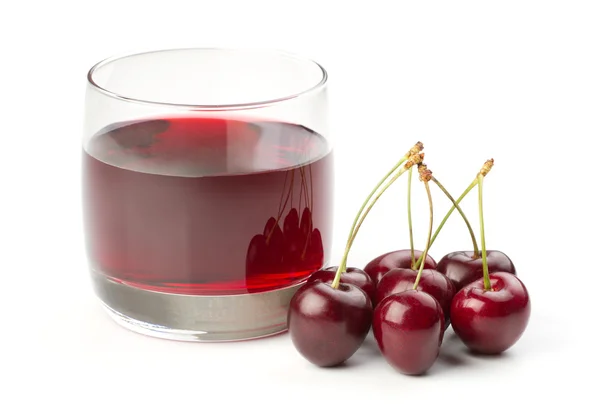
[{"x": 207, "y": 206}]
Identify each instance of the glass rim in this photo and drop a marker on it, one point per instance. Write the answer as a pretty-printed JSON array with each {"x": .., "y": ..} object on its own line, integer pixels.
[{"x": 228, "y": 106}]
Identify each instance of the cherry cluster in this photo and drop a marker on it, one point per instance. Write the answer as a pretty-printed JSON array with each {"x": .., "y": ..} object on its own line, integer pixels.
[
  {"x": 407, "y": 297},
  {"x": 289, "y": 245}
]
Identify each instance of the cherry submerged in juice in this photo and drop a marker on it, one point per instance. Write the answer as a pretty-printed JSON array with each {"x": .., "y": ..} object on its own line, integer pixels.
[{"x": 207, "y": 206}]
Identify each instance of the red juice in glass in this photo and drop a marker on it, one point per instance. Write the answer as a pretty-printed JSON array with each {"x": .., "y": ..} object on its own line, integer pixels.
[{"x": 207, "y": 206}]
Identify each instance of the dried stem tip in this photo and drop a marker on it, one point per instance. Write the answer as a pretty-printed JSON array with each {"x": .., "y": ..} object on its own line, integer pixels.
[
  {"x": 414, "y": 159},
  {"x": 424, "y": 173},
  {"x": 415, "y": 149},
  {"x": 487, "y": 166}
]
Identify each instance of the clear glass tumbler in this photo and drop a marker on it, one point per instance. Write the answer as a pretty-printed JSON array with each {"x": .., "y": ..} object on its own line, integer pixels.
[{"x": 207, "y": 189}]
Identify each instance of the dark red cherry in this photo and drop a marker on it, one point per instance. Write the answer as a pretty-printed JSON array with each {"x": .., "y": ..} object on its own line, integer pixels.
[
  {"x": 352, "y": 275},
  {"x": 306, "y": 226},
  {"x": 462, "y": 269},
  {"x": 291, "y": 224},
  {"x": 271, "y": 223},
  {"x": 315, "y": 255},
  {"x": 492, "y": 321},
  {"x": 275, "y": 243},
  {"x": 293, "y": 241},
  {"x": 257, "y": 256},
  {"x": 328, "y": 325},
  {"x": 432, "y": 282},
  {"x": 409, "y": 327},
  {"x": 399, "y": 259}
]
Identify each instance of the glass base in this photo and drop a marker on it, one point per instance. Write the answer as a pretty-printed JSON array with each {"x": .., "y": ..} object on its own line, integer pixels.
[{"x": 193, "y": 317}]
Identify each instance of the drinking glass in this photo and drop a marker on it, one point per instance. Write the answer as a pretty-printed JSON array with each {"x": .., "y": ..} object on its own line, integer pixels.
[{"x": 207, "y": 189}]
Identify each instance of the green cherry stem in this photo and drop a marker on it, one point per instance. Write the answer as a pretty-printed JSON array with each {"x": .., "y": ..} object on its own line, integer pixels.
[
  {"x": 441, "y": 225},
  {"x": 487, "y": 166},
  {"x": 425, "y": 176},
  {"x": 366, "y": 207},
  {"x": 373, "y": 193},
  {"x": 486, "y": 275},
  {"x": 462, "y": 214},
  {"x": 342, "y": 268},
  {"x": 364, "y": 215},
  {"x": 414, "y": 150},
  {"x": 410, "y": 226}
]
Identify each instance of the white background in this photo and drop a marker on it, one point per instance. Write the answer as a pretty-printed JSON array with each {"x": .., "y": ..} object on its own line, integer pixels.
[{"x": 515, "y": 80}]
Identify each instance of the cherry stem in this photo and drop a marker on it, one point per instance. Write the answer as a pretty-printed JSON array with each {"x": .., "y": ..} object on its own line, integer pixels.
[
  {"x": 413, "y": 151},
  {"x": 342, "y": 268},
  {"x": 281, "y": 208},
  {"x": 485, "y": 169},
  {"x": 350, "y": 237},
  {"x": 441, "y": 225},
  {"x": 303, "y": 187},
  {"x": 309, "y": 203},
  {"x": 306, "y": 194},
  {"x": 310, "y": 179},
  {"x": 486, "y": 275},
  {"x": 360, "y": 217},
  {"x": 301, "y": 194},
  {"x": 373, "y": 193},
  {"x": 306, "y": 200},
  {"x": 388, "y": 184},
  {"x": 428, "y": 244},
  {"x": 282, "y": 194},
  {"x": 410, "y": 226},
  {"x": 462, "y": 214},
  {"x": 292, "y": 191}
]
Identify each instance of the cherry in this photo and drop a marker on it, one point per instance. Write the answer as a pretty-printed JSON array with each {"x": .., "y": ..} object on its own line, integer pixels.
[
  {"x": 409, "y": 325},
  {"x": 291, "y": 226},
  {"x": 377, "y": 267},
  {"x": 463, "y": 269},
  {"x": 275, "y": 243},
  {"x": 312, "y": 243},
  {"x": 257, "y": 255},
  {"x": 315, "y": 254},
  {"x": 306, "y": 226},
  {"x": 272, "y": 229},
  {"x": 491, "y": 321},
  {"x": 490, "y": 314},
  {"x": 409, "y": 328},
  {"x": 293, "y": 241},
  {"x": 432, "y": 282},
  {"x": 352, "y": 275},
  {"x": 327, "y": 325}
]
